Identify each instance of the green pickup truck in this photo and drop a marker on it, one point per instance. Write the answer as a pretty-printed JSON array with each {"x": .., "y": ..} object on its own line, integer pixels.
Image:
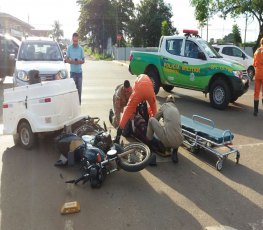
[{"x": 190, "y": 62}]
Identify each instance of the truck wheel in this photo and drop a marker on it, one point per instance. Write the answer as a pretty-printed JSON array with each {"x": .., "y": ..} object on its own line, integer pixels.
[
  {"x": 154, "y": 75},
  {"x": 27, "y": 138},
  {"x": 219, "y": 94},
  {"x": 251, "y": 72},
  {"x": 168, "y": 88}
]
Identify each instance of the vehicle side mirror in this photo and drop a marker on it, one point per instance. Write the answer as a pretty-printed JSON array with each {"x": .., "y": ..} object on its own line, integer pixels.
[
  {"x": 243, "y": 56},
  {"x": 201, "y": 56}
]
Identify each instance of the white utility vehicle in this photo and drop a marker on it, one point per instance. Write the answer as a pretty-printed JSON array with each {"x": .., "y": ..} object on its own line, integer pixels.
[
  {"x": 39, "y": 108},
  {"x": 236, "y": 53}
]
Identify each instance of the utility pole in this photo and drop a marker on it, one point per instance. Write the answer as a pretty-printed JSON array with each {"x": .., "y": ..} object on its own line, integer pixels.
[
  {"x": 117, "y": 21},
  {"x": 103, "y": 35},
  {"x": 207, "y": 29},
  {"x": 245, "y": 37}
]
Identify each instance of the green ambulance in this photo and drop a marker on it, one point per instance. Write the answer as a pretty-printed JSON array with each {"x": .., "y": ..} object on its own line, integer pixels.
[{"x": 190, "y": 62}]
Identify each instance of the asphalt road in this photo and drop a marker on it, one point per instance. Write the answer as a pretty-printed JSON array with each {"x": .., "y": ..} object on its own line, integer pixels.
[{"x": 189, "y": 195}]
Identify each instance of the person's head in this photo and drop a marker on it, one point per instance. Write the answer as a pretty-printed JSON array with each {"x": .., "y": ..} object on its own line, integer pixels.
[
  {"x": 127, "y": 86},
  {"x": 75, "y": 39},
  {"x": 170, "y": 98}
]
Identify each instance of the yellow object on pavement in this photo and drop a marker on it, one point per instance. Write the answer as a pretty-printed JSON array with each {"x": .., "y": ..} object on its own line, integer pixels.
[{"x": 70, "y": 207}]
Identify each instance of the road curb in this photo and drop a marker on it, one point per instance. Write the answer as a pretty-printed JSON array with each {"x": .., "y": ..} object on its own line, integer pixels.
[{"x": 121, "y": 63}]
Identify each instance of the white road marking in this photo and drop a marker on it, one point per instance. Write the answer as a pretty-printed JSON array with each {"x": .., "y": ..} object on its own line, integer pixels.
[
  {"x": 249, "y": 145},
  {"x": 220, "y": 227},
  {"x": 69, "y": 225}
]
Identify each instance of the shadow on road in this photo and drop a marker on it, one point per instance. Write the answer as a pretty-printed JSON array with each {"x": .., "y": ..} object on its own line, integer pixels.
[
  {"x": 211, "y": 194},
  {"x": 33, "y": 191}
]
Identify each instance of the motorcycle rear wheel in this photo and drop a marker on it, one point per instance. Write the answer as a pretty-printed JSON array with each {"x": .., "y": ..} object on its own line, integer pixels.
[{"x": 136, "y": 160}]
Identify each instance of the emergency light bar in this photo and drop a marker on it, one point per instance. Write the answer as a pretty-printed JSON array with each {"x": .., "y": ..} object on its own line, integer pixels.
[{"x": 193, "y": 32}]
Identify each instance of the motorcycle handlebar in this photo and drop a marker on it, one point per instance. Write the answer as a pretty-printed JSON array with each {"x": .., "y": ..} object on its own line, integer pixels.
[{"x": 84, "y": 177}]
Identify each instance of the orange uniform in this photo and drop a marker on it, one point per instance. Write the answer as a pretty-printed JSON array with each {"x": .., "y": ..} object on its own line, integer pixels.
[
  {"x": 142, "y": 90},
  {"x": 258, "y": 64}
]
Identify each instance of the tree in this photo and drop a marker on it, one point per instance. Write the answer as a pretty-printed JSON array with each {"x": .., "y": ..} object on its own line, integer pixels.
[
  {"x": 96, "y": 22},
  {"x": 228, "y": 38},
  {"x": 103, "y": 19},
  {"x": 236, "y": 35},
  {"x": 124, "y": 11},
  {"x": 234, "y": 8},
  {"x": 165, "y": 30},
  {"x": 253, "y": 8},
  {"x": 57, "y": 32},
  {"x": 204, "y": 10},
  {"x": 146, "y": 26}
]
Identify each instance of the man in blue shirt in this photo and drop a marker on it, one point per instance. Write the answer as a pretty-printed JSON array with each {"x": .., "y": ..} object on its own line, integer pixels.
[{"x": 75, "y": 57}]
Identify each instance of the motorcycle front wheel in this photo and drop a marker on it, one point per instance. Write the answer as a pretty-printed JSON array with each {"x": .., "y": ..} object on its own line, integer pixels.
[{"x": 137, "y": 159}]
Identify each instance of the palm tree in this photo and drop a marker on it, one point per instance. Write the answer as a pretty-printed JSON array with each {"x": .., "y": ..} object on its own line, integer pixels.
[{"x": 57, "y": 32}]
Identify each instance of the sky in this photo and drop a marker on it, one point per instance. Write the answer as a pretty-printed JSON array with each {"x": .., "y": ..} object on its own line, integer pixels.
[{"x": 42, "y": 13}]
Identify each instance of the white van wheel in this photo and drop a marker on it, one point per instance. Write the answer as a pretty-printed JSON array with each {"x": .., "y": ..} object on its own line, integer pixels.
[{"x": 27, "y": 138}]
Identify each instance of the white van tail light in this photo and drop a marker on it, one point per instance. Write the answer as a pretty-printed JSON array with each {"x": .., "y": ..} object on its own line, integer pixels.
[
  {"x": 6, "y": 106},
  {"x": 45, "y": 100}
]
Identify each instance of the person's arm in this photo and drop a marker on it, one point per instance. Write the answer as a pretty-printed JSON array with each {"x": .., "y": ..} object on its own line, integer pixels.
[
  {"x": 159, "y": 113},
  {"x": 255, "y": 59},
  {"x": 82, "y": 61}
]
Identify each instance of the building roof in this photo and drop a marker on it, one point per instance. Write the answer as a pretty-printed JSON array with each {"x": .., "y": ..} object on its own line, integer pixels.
[{"x": 5, "y": 15}]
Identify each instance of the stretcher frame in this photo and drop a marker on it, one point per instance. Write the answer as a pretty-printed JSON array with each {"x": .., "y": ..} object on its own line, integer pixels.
[{"x": 194, "y": 139}]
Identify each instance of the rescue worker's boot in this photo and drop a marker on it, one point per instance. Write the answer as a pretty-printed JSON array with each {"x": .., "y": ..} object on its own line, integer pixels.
[
  {"x": 255, "y": 108},
  {"x": 111, "y": 114},
  {"x": 175, "y": 156}
]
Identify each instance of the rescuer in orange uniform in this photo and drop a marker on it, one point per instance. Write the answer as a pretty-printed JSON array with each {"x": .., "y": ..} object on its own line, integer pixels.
[
  {"x": 142, "y": 90},
  {"x": 258, "y": 64}
]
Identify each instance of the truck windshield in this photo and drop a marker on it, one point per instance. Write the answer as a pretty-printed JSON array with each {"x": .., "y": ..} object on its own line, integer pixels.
[
  {"x": 211, "y": 52},
  {"x": 40, "y": 51}
]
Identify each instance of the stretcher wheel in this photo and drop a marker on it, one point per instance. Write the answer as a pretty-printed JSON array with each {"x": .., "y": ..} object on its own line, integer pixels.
[
  {"x": 219, "y": 165},
  {"x": 237, "y": 157}
]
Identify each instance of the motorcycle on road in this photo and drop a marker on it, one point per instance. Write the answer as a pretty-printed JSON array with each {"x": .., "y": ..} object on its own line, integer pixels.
[{"x": 98, "y": 155}]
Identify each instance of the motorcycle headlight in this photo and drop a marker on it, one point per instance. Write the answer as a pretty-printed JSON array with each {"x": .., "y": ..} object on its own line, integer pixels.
[
  {"x": 62, "y": 74},
  {"x": 238, "y": 74},
  {"x": 22, "y": 75}
]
